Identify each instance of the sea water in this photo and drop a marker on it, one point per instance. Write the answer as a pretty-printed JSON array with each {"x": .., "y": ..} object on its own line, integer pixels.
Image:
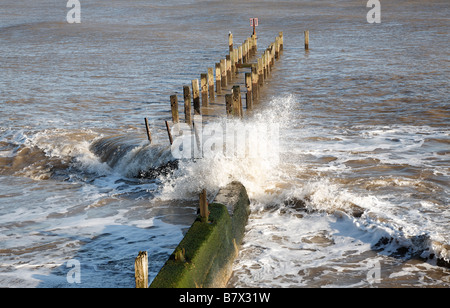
[{"x": 357, "y": 197}]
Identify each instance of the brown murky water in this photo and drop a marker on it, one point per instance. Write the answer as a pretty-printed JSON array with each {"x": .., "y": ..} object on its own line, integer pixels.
[{"x": 358, "y": 198}]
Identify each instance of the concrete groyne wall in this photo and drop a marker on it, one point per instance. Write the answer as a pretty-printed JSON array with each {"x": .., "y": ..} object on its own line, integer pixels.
[{"x": 205, "y": 256}]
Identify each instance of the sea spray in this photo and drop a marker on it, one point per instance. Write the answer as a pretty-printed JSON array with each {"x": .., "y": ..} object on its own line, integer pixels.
[{"x": 246, "y": 150}]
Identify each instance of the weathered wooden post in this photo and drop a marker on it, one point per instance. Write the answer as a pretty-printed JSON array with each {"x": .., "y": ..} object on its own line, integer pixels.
[
  {"x": 196, "y": 97},
  {"x": 229, "y": 104},
  {"x": 211, "y": 83},
  {"x": 232, "y": 68},
  {"x": 204, "y": 88},
  {"x": 248, "y": 48},
  {"x": 255, "y": 43},
  {"x": 228, "y": 65},
  {"x": 218, "y": 79},
  {"x": 174, "y": 107},
  {"x": 306, "y": 40},
  {"x": 260, "y": 73},
  {"x": 236, "y": 59},
  {"x": 241, "y": 111},
  {"x": 255, "y": 83},
  {"x": 245, "y": 51},
  {"x": 169, "y": 133},
  {"x": 237, "y": 101},
  {"x": 198, "y": 139},
  {"x": 230, "y": 41},
  {"x": 280, "y": 34},
  {"x": 223, "y": 72},
  {"x": 272, "y": 54},
  {"x": 204, "y": 213},
  {"x": 240, "y": 55},
  {"x": 248, "y": 95},
  {"x": 180, "y": 254},
  {"x": 277, "y": 47},
  {"x": 149, "y": 135},
  {"x": 141, "y": 270},
  {"x": 266, "y": 62},
  {"x": 187, "y": 105}
]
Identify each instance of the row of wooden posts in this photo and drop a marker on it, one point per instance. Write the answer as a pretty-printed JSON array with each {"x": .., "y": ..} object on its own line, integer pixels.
[
  {"x": 200, "y": 95},
  {"x": 225, "y": 71}
]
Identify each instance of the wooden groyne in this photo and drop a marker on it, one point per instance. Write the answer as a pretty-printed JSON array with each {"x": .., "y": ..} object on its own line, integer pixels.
[
  {"x": 205, "y": 256},
  {"x": 219, "y": 81}
]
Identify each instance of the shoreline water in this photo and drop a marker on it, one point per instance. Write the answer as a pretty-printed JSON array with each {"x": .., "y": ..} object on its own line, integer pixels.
[{"x": 363, "y": 118}]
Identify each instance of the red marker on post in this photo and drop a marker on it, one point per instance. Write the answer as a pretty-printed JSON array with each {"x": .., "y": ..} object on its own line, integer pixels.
[{"x": 254, "y": 24}]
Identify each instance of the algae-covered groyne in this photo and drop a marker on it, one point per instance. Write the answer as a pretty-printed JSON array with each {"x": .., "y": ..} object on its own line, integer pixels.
[{"x": 205, "y": 256}]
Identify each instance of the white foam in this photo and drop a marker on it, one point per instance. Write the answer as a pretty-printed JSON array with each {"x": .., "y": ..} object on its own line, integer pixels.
[
  {"x": 215, "y": 171},
  {"x": 280, "y": 250}
]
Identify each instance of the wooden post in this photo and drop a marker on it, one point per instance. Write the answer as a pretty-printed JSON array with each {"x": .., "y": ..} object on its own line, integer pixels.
[
  {"x": 240, "y": 55},
  {"x": 277, "y": 47},
  {"x": 149, "y": 135},
  {"x": 204, "y": 87},
  {"x": 141, "y": 270},
  {"x": 230, "y": 41},
  {"x": 218, "y": 78},
  {"x": 237, "y": 101},
  {"x": 180, "y": 255},
  {"x": 204, "y": 213},
  {"x": 228, "y": 65},
  {"x": 169, "y": 133},
  {"x": 255, "y": 84},
  {"x": 248, "y": 95},
  {"x": 272, "y": 54},
  {"x": 197, "y": 150},
  {"x": 211, "y": 83},
  {"x": 223, "y": 72},
  {"x": 232, "y": 64},
  {"x": 229, "y": 104},
  {"x": 266, "y": 62},
  {"x": 236, "y": 59},
  {"x": 281, "y": 40},
  {"x": 306, "y": 40},
  {"x": 174, "y": 107},
  {"x": 260, "y": 73},
  {"x": 187, "y": 105},
  {"x": 254, "y": 43},
  {"x": 196, "y": 97},
  {"x": 241, "y": 111},
  {"x": 245, "y": 51}
]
